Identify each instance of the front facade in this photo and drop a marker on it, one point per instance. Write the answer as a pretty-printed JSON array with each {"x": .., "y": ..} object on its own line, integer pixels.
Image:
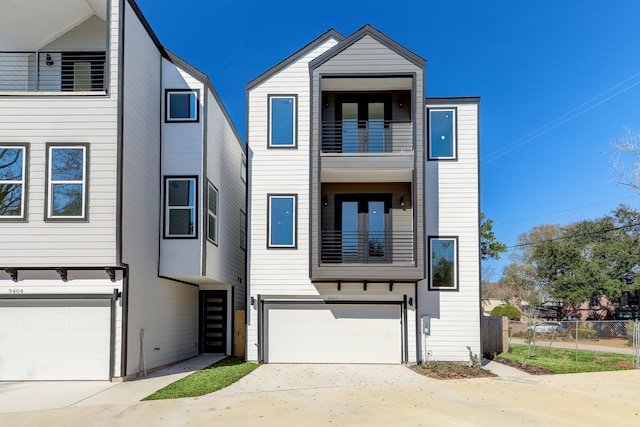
[
  {"x": 364, "y": 241},
  {"x": 122, "y": 198}
]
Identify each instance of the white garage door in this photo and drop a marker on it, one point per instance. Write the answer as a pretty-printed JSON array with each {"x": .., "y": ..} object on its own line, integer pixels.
[
  {"x": 333, "y": 333},
  {"x": 54, "y": 339}
]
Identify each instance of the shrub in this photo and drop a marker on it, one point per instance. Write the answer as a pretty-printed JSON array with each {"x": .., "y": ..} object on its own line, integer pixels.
[
  {"x": 506, "y": 311},
  {"x": 584, "y": 334}
]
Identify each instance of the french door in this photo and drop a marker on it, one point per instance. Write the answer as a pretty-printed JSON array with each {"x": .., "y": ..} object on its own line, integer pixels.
[{"x": 363, "y": 222}]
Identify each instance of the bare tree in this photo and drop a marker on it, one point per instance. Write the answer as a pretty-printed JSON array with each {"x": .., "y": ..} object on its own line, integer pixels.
[{"x": 626, "y": 159}]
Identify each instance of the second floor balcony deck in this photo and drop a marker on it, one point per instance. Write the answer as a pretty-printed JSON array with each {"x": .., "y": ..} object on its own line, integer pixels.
[{"x": 367, "y": 136}]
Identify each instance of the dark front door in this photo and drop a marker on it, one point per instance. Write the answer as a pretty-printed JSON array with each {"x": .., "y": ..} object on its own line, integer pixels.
[{"x": 213, "y": 322}]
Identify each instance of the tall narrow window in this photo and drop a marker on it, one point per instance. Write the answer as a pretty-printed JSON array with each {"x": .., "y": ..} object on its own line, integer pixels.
[
  {"x": 13, "y": 174},
  {"x": 243, "y": 230},
  {"x": 282, "y": 221},
  {"x": 67, "y": 182},
  {"x": 243, "y": 170},
  {"x": 282, "y": 120},
  {"x": 212, "y": 214},
  {"x": 442, "y": 134},
  {"x": 182, "y": 106},
  {"x": 180, "y": 213},
  {"x": 443, "y": 260}
]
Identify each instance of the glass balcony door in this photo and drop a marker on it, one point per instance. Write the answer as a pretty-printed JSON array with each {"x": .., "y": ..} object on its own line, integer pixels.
[
  {"x": 364, "y": 226},
  {"x": 364, "y": 122}
]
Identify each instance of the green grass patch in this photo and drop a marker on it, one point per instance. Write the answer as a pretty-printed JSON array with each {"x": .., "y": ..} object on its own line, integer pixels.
[
  {"x": 563, "y": 361},
  {"x": 207, "y": 380}
]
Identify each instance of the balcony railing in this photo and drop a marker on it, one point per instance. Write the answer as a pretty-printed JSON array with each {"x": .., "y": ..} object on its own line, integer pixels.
[
  {"x": 367, "y": 136},
  {"x": 52, "y": 71},
  {"x": 371, "y": 247}
]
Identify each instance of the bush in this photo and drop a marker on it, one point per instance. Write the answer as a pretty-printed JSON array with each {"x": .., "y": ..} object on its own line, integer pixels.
[
  {"x": 506, "y": 311},
  {"x": 584, "y": 334}
]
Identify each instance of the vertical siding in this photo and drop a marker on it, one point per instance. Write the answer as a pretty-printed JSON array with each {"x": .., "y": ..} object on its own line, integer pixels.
[
  {"x": 225, "y": 262},
  {"x": 452, "y": 208},
  {"x": 167, "y": 311},
  {"x": 66, "y": 119}
]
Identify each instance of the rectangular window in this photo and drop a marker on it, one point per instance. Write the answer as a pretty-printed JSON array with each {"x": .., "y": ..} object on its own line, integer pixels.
[
  {"x": 282, "y": 221},
  {"x": 66, "y": 181},
  {"x": 243, "y": 170},
  {"x": 282, "y": 120},
  {"x": 180, "y": 213},
  {"x": 443, "y": 263},
  {"x": 212, "y": 214},
  {"x": 13, "y": 178},
  {"x": 243, "y": 230},
  {"x": 442, "y": 134},
  {"x": 182, "y": 106}
]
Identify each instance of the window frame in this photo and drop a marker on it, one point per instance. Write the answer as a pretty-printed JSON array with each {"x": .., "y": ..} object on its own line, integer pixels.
[
  {"x": 243, "y": 230},
  {"x": 243, "y": 169},
  {"x": 216, "y": 215},
  {"x": 294, "y": 243},
  {"x": 48, "y": 214},
  {"x": 166, "y": 218},
  {"x": 294, "y": 142},
  {"x": 167, "y": 105},
  {"x": 456, "y": 277},
  {"x": 454, "y": 133},
  {"x": 23, "y": 182}
]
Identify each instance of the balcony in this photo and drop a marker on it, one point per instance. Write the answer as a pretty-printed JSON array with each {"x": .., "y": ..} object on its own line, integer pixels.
[
  {"x": 367, "y": 136},
  {"x": 375, "y": 247},
  {"x": 52, "y": 71}
]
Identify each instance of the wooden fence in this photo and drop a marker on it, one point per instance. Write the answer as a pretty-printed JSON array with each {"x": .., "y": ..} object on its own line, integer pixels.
[{"x": 495, "y": 335}]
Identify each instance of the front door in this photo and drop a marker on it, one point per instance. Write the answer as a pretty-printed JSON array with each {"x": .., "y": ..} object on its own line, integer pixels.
[{"x": 213, "y": 321}]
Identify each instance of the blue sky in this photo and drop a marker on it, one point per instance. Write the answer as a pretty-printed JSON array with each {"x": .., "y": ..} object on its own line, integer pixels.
[{"x": 558, "y": 81}]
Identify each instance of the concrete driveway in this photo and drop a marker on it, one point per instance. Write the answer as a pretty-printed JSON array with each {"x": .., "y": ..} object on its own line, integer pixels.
[{"x": 372, "y": 395}]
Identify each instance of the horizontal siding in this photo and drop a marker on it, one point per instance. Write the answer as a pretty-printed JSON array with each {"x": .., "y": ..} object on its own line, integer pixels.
[
  {"x": 452, "y": 207},
  {"x": 225, "y": 262},
  {"x": 67, "y": 119},
  {"x": 167, "y": 311}
]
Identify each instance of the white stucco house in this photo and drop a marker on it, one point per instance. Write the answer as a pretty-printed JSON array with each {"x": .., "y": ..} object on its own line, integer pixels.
[
  {"x": 364, "y": 209},
  {"x": 122, "y": 198}
]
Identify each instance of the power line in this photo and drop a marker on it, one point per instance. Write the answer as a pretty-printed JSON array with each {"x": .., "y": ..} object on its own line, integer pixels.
[{"x": 545, "y": 128}]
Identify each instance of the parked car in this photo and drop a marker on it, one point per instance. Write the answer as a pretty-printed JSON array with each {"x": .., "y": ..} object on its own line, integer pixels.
[{"x": 546, "y": 327}]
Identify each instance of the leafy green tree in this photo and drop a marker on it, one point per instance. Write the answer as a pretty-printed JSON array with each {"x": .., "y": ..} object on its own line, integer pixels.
[{"x": 490, "y": 248}]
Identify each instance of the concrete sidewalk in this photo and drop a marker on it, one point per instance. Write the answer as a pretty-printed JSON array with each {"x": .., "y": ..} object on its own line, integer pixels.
[
  {"x": 19, "y": 396},
  {"x": 503, "y": 370}
]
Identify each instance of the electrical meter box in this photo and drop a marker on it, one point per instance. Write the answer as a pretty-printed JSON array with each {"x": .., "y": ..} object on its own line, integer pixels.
[{"x": 426, "y": 324}]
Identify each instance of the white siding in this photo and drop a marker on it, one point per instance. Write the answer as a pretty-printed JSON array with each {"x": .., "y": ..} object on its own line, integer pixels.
[
  {"x": 452, "y": 208},
  {"x": 167, "y": 311},
  {"x": 65, "y": 119},
  {"x": 225, "y": 262},
  {"x": 182, "y": 147}
]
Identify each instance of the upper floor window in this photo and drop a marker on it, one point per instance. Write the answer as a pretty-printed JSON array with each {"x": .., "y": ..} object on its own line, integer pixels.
[
  {"x": 182, "y": 106},
  {"x": 13, "y": 173},
  {"x": 67, "y": 181},
  {"x": 282, "y": 221},
  {"x": 180, "y": 207},
  {"x": 443, "y": 263},
  {"x": 243, "y": 170},
  {"x": 212, "y": 214},
  {"x": 282, "y": 120},
  {"x": 442, "y": 134},
  {"x": 243, "y": 230}
]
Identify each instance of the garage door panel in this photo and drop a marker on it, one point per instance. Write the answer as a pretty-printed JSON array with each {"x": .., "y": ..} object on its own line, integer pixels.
[
  {"x": 55, "y": 339},
  {"x": 333, "y": 334}
]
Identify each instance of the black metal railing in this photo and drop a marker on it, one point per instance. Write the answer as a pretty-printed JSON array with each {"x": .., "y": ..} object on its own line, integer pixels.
[
  {"x": 52, "y": 71},
  {"x": 367, "y": 247},
  {"x": 367, "y": 136}
]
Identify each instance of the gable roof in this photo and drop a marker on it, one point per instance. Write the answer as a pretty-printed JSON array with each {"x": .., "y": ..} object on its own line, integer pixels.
[
  {"x": 329, "y": 34},
  {"x": 380, "y": 37}
]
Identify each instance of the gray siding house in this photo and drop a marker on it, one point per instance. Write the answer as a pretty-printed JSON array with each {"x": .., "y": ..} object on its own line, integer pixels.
[
  {"x": 122, "y": 198},
  {"x": 364, "y": 225}
]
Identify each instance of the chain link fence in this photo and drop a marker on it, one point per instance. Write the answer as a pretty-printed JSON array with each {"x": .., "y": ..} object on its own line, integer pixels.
[{"x": 607, "y": 336}]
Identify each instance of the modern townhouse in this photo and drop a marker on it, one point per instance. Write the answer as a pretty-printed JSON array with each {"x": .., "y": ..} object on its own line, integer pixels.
[
  {"x": 122, "y": 198},
  {"x": 364, "y": 209}
]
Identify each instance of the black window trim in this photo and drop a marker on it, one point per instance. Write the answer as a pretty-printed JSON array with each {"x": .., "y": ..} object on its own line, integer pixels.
[
  {"x": 168, "y": 92},
  {"x": 293, "y": 146},
  {"x": 295, "y": 221},
  {"x": 210, "y": 185},
  {"x": 456, "y": 256},
  {"x": 25, "y": 181},
  {"x": 165, "y": 206},
  {"x": 47, "y": 196},
  {"x": 455, "y": 134}
]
